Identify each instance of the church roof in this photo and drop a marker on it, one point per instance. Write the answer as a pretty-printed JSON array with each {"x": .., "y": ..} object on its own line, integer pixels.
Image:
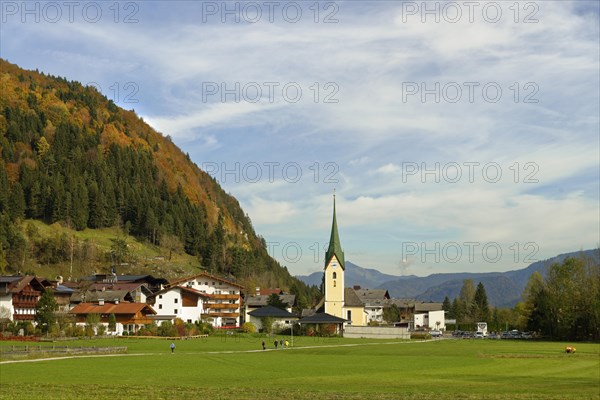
[
  {"x": 335, "y": 246},
  {"x": 351, "y": 299}
]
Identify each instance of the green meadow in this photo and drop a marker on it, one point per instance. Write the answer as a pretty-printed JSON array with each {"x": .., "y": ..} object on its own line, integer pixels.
[{"x": 236, "y": 367}]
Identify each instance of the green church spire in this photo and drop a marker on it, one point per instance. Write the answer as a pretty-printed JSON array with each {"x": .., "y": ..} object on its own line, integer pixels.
[{"x": 335, "y": 247}]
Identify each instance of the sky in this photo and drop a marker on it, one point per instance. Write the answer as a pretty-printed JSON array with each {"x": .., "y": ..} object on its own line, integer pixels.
[{"x": 457, "y": 136}]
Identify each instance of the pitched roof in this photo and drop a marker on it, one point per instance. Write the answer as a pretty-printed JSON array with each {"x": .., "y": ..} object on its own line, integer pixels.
[
  {"x": 322, "y": 318},
  {"x": 216, "y": 278},
  {"x": 126, "y": 278},
  {"x": 428, "y": 307},
  {"x": 335, "y": 247},
  {"x": 129, "y": 286},
  {"x": 270, "y": 311},
  {"x": 111, "y": 308},
  {"x": 94, "y": 296},
  {"x": 15, "y": 284},
  {"x": 260, "y": 301},
  {"x": 63, "y": 289},
  {"x": 181, "y": 288},
  {"x": 372, "y": 294},
  {"x": 351, "y": 299}
]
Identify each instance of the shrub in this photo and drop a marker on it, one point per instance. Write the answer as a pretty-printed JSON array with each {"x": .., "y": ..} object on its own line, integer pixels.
[
  {"x": 248, "y": 327},
  {"x": 420, "y": 335}
]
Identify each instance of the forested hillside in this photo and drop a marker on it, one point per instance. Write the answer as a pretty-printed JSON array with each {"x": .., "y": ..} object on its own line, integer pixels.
[{"x": 71, "y": 156}]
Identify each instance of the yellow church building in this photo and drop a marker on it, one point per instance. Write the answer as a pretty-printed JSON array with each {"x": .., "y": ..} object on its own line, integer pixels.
[{"x": 340, "y": 301}]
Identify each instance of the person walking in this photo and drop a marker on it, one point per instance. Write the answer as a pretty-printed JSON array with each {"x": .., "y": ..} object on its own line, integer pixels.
[
  {"x": 264, "y": 346},
  {"x": 172, "y": 347},
  {"x": 276, "y": 343}
]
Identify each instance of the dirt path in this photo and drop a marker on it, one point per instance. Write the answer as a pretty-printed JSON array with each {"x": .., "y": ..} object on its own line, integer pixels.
[{"x": 212, "y": 352}]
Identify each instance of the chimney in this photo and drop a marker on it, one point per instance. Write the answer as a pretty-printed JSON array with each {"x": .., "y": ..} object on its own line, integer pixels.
[
  {"x": 100, "y": 302},
  {"x": 59, "y": 279},
  {"x": 257, "y": 291},
  {"x": 116, "y": 301}
]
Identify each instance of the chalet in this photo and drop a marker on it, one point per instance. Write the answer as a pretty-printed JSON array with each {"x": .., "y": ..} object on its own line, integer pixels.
[
  {"x": 222, "y": 298},
  {"x": 130, "y": 317},
  {"x": 20, "y": 295},
  {"x": 179, "y": 302}
]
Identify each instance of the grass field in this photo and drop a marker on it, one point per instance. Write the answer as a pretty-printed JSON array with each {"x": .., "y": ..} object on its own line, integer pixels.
[{"x": 235, "y": 367}]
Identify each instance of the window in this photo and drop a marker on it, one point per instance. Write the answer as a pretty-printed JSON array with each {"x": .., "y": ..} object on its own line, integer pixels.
[
  {"x": 160, "y": 296},
  {"x": 334, "y": 285},
  {"x": 175, "y": 311},
  {"x": 160, "y": 306},
  {"x": 349, "y": 315},
  {"x": 334, "y": 275},
  {"x": 189, "y": 321},
  {"x": 175, "y": 300}
]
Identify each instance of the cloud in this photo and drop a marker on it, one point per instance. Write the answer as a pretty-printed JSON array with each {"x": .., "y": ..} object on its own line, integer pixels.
[{"x": 373, "y": 125}]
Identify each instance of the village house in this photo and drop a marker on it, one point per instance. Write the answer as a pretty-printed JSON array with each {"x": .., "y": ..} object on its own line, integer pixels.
[
  {"x": 374, "y": 300},
  {"x": 130, "y": 317},
  {"x": 181, "y": 302},
  {"x": 281, "y": 319},
  {"x": 19, "y": 296},
  {"x": 221, "y": 298}
]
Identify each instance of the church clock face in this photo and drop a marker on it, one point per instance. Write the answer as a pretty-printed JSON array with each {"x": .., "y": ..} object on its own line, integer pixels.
[{"x": 334, "y": 265}]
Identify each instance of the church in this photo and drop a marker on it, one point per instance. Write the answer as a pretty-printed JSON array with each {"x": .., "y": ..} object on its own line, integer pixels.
[{"x": 338, "y": 300}]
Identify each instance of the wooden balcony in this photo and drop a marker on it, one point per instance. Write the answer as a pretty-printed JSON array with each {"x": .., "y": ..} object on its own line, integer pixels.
[
  {"x": 222, "y": 314},
  {"x": 225, "y": 305},
  {"x": 24, "y": 303},
  {"x": 224, "y": 296},
  {"x": 23, "y": 317}
]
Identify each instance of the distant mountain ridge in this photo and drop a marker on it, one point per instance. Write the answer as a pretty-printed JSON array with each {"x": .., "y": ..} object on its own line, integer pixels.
[
  {"x": 355, "y": 275},
  {"x": 503, "y": 289}
]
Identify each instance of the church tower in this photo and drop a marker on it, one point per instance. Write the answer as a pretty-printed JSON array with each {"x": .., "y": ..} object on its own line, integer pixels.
[{"x": 335, "y": 267}]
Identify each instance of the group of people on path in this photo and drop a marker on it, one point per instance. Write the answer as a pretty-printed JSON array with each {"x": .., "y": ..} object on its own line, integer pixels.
[{"x": 281, "y": 343}]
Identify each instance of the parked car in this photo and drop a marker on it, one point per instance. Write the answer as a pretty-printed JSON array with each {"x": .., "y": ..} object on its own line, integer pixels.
[
  {"x": 436, "y": 333},
  {"x": 479, "y": 335}
]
